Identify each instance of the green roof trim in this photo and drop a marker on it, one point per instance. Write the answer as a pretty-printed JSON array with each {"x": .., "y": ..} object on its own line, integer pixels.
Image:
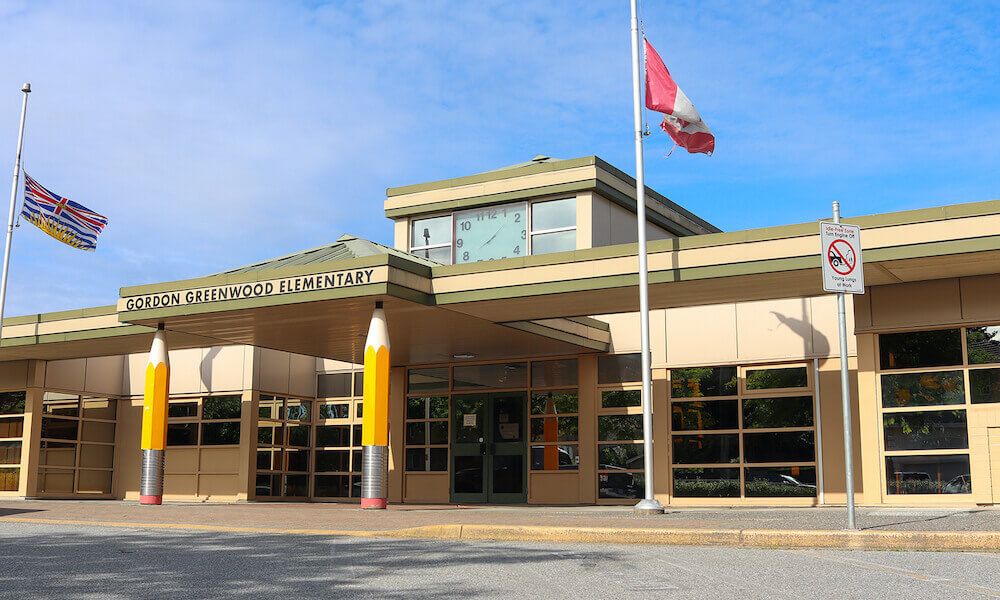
[
  {"x": 346, "y": 246},
  {"x": 625, "y": 200},
  {"x": 77, "y": 313},
  {"x": 75, "y": 336}
]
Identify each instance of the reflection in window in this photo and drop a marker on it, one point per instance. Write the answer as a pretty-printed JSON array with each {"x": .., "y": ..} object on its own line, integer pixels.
[
  {"x": 221, "y": 407},
  {"x": 623, "y": 485},
  {"x": 619, "y": 368},
  {"x": 985, "y": 385},
  {"x": 920, "y": 349},
  {"x": 777, "y": 378},
  {"x": 934, "y": 474},
  {"x": 432, "y": 380},
  {"x": 500, "y": 376},
  {"x": 426, "y": 433},
  {"x": 707, "y": 482},
  {"x": 553, "y": 373},
  {"x": 566, "y": 457},
  {"x": 702, "y": 382},
  {"x": 611, "y": 428},
  {"x": 926, "y": 430},
  {"x": 554, "y": 419},
  {"x": 698, "y": 415},
  {"x": 923, "y": 389},
  {"x": 780, "y": 481},
  {"x": 707, "y": 449},
  {"x": 983, "y": 345},
  {"x": 12, "y": 403},
  {"x": 431, "y": 238},
  {"x": 779, "y": 446},
  {"x": 621, "y": 398},
  {"x": 794, "y": 411}
]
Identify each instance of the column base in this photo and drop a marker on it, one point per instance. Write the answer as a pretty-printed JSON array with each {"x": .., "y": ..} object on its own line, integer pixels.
[
  {"x": 373, "y": 503},
  {"x": 150, "y": 499}
]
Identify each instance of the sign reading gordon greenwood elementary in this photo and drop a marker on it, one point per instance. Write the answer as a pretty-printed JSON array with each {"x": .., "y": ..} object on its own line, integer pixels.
[
  {"x": 252, "y": 289},
  {"x": 843, "y": 270}
]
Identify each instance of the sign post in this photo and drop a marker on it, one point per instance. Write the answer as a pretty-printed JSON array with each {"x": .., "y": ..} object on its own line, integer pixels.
[{"x": 843, "y": 272}]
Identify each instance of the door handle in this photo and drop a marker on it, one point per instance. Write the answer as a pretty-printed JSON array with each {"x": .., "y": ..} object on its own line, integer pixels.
[{"x": 482, "y": 449}]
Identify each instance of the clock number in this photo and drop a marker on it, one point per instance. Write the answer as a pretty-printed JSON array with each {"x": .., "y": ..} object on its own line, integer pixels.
[
  {"x": 459, "y": 242},
  {"x": 517, "y": 217},
  {"x": 524, "y": 234},
  {"x": 465, "y": 225},
  {"x": 465, "y": 256},
  {"x": 493, "y": 213},
  {"x": 517, "y": 249},
  {"x": 479, "y": 215}
]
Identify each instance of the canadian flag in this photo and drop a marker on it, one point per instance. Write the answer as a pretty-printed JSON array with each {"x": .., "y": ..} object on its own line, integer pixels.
[{"x": 680, "y": 119}]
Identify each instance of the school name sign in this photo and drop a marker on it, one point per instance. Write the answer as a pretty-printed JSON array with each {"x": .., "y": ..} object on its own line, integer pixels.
[{"x": 256, "y": 289}]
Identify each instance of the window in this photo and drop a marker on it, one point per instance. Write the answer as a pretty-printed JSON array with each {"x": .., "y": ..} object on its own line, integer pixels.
[
  {"x": 208, "y": 421},
  {"x": 77, "y": 445},
  {"x": 733, "y": 441},
  {"x": 555, "y": 430},
  {"x": 619, "y": 428},
  {"x": 431, "y": 238},
  {"x": 553, "y": 226},
  {"x": 336, "y": 466},
  {"x": 426, "y": 433},
  {"x": 283, "y": 448},
  {"x": 928, "y": 383},
  {"x": 11, "y": 428}
]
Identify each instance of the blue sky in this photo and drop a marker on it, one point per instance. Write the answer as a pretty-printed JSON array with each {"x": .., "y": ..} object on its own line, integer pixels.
[{"x": 214, "y": 134}]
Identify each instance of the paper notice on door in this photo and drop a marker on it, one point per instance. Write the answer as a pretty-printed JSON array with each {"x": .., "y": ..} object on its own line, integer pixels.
[
  {"x": 469, "y": 420},
  {"x": 509, "y": 431}
]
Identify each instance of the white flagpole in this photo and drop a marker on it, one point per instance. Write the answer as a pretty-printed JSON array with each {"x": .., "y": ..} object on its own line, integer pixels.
[
  {"x": 649, "y": 504},
  {"x": 26, "y": 88}
]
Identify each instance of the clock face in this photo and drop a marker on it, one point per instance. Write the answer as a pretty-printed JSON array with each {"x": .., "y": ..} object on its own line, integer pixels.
[{"x": 491, "y": 232}]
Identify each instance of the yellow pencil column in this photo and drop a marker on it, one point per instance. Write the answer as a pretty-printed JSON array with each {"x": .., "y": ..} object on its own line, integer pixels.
[
  {"x": 154, "y": 420},
  {"x": 375, "y": 422}
]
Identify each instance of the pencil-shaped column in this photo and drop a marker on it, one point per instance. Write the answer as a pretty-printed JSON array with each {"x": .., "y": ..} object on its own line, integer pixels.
[
  {"x": 154, "y": 420},
  {"x": 375, "y": 422}
]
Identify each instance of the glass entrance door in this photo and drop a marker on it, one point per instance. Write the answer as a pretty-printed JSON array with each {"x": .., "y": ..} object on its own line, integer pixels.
[{"x": 488, "y": 448}]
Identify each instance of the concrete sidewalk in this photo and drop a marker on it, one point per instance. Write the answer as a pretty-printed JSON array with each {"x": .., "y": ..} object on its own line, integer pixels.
[{"x": 879, "y": 527}]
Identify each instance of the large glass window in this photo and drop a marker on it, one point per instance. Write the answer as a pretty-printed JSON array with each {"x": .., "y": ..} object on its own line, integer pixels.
[
  {"x": 207, "y": 421},
  {"x": 619, "y": 428},
  {"x": 426, "y": 433},
  {"x": 555, "y": 430},
  {"x": 754, "y": 440},
  {"x": 283, "y": 446},
  {"x": 77, "y": 445},
  {"x": 336, "y": 439},
  {"x": 11, "y": 428},
  {"x": 553, "y": 226},
  {"x": 928, "y": 384}
]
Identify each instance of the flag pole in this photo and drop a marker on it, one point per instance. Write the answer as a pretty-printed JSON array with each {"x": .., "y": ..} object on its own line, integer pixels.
[
  {"x": 26, "y": 88},
  {"x": 649, "y": 504}
]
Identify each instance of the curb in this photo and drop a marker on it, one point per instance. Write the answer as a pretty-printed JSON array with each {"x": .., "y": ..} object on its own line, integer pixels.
[{"x": 742, "y": 538}]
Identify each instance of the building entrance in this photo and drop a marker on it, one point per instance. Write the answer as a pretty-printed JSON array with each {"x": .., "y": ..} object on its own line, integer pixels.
[{"x": 488, "y": 448}]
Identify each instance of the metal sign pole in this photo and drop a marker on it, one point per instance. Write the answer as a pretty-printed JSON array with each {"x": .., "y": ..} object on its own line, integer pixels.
[{"x": 845, "y": 395}]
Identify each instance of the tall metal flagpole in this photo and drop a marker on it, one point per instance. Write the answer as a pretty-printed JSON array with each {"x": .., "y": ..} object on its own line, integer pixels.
[
  {"x": 649, "y": 504},
  {"x": 26, "y": 88}
]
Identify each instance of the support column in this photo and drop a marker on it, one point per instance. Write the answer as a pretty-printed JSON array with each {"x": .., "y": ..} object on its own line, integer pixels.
[
  {"x": 154, "y": 420},
  {"x": 375, "y": 422}
]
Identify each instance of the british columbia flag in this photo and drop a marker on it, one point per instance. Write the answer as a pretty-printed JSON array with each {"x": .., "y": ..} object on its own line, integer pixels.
[{"x": 69, "y": 222}]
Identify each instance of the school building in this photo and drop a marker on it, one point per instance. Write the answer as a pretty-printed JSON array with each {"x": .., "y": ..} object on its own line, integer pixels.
[{"x": 511, "y": 304}]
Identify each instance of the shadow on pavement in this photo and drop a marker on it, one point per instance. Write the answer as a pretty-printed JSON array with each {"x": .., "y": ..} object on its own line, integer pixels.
[
  {"x": 10, "y": 512},
  {"x": 76, "y": 563}
]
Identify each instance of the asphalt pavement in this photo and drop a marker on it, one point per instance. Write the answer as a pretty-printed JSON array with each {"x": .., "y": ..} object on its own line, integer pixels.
[{"x": 39, "y": 560}]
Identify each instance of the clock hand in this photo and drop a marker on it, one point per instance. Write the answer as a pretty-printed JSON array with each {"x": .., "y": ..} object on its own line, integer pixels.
[{"x": 492, "y": 236}]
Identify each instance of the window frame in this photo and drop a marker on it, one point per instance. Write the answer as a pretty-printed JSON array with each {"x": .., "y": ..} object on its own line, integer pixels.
[
  {"x": 741, "y": 463},
  {"x": 78, "y": 442}
]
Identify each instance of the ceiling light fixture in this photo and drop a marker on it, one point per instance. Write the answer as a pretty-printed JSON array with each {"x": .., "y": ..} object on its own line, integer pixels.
[{"x": 463, "y": 356}]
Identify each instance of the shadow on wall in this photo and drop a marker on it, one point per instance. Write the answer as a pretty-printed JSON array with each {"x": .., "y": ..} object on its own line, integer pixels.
[
  {"x": 206, "y": 367},
  {"x": 814, "y": 343}
]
